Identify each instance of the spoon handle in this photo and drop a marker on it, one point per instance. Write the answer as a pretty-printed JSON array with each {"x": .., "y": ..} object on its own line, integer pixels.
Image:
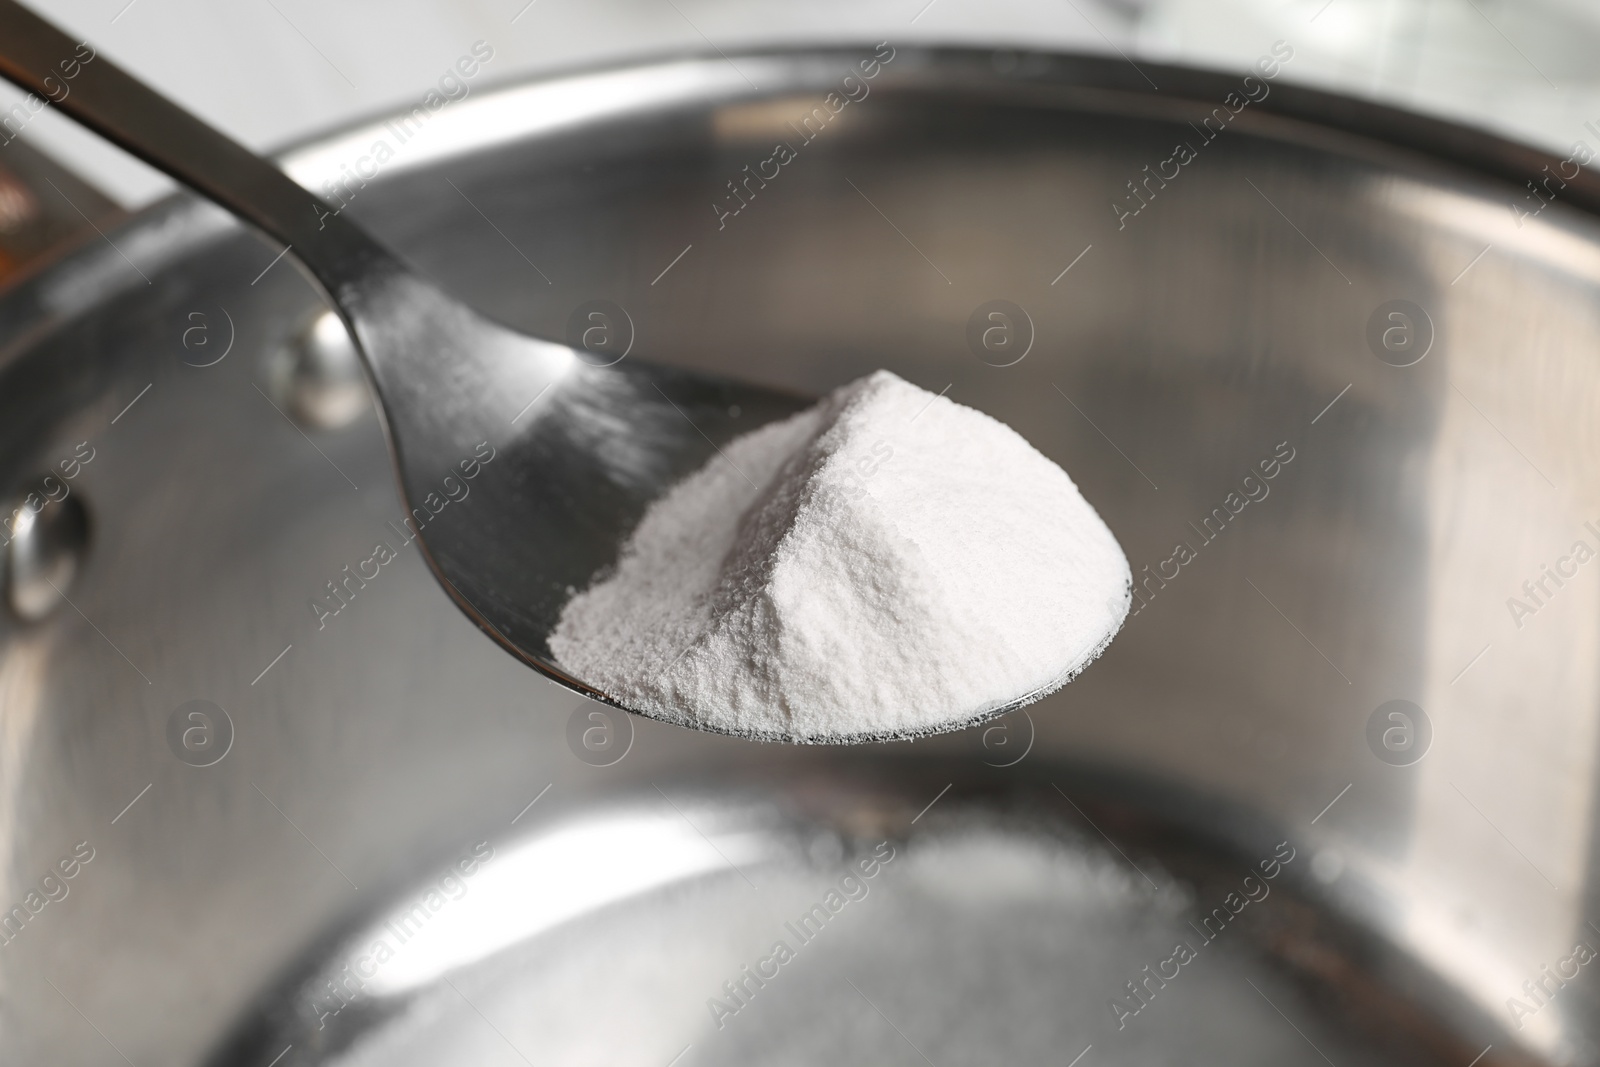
[{"x": 69, "y": 75}]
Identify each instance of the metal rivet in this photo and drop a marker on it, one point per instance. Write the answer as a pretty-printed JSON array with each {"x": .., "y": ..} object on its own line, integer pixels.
[
  {"x": 317, "y": 377},
  {"x": 43, "y": 556}
]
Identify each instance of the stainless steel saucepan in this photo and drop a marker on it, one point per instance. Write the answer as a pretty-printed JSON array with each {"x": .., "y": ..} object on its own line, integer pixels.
[{"x": 1328, "y": 370}]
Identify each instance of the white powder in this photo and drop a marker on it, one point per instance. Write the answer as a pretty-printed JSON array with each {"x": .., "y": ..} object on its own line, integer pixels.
[{"x": 886, "y": 563}]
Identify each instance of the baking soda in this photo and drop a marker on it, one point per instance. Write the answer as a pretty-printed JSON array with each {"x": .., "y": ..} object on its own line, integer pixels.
[{"x": 887, "y": 563}]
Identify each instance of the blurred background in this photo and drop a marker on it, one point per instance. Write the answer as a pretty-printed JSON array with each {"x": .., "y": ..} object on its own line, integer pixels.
[{"x": 270, "y": 72}]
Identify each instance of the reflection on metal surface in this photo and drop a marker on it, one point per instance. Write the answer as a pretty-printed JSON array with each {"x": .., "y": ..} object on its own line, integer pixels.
[
  {"x": 514, "y": 114},
  {"x": 316, "y": 376},
  {"x": 760, "y": 939},
  {"x": 514, "y": 897},
  {"x": 43, "y": 553},
  {"x": 1491, "y": 224}
]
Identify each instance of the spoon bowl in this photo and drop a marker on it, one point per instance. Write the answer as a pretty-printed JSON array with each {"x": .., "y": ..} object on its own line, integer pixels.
[{"x": 560, "y": 454}]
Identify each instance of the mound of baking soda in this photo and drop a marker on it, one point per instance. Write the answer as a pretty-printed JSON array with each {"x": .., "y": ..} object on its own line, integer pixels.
[{"x": 886, "y": 563}]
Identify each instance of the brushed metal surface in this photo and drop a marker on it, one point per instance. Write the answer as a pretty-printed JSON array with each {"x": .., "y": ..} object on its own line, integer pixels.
[{"x": 1401, "y": 554}]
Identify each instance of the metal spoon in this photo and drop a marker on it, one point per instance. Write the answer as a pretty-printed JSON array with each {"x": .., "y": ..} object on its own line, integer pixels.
[
  {"x": 575, "y": 452},
  {"x": 569, "y": 477}
]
